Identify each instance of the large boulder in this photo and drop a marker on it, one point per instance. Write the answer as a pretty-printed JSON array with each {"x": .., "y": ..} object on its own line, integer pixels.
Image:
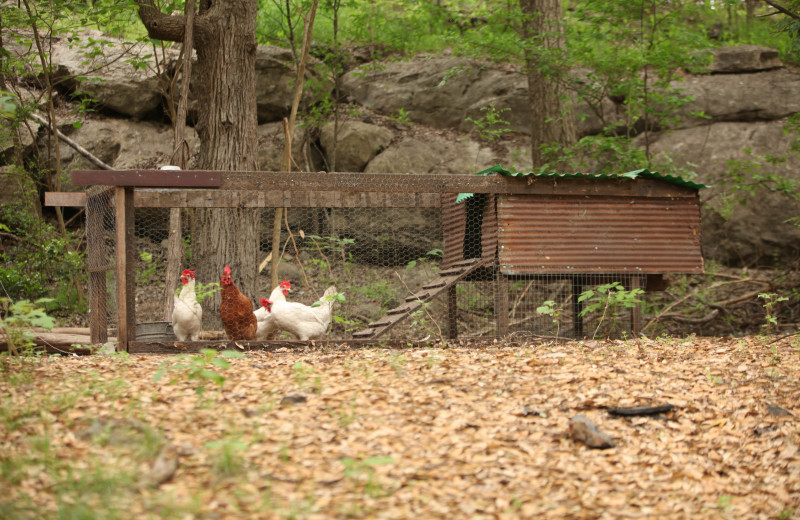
[
  {"x": 122, "y": 78},
  {"x": 356, "y": 144},
  {"x": 120, "y": 143},
  {"x": 276, "y": 77},
  {"x": 758, "y": 230},
  {"x": 766, "y": 96},
  {"x": 744, "y": 58},
  {"x": 441, "y": 92}
]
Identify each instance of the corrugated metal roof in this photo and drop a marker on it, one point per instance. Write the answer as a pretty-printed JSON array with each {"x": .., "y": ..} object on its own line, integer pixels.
[{"x": 672, "y": 179}]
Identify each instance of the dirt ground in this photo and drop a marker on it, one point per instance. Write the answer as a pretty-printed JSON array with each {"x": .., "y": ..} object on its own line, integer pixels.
[{"x": 465, "y": 431}]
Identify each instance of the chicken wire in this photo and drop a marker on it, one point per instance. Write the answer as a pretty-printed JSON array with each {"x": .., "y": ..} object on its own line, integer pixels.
[{"x": 378, "y": 258}]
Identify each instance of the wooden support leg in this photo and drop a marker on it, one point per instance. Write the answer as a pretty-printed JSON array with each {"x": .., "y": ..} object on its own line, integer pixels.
[
  {"x": 577, "y": 307},
  {"x": 501, "y": 304},
  {"x": 126, "y": 263},
  {"x": 452, "y": 312},
  {"x": 636, "y": 310}
]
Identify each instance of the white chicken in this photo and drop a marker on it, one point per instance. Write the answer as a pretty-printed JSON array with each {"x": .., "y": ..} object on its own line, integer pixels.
[
  {"x": 266, "y": 328},
  {"x": 303, "y": 321},
  {"x": 187, "y": 314}
]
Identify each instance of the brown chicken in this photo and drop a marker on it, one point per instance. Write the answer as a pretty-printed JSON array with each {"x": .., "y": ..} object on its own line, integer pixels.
[{"x": 236, "y": 310}]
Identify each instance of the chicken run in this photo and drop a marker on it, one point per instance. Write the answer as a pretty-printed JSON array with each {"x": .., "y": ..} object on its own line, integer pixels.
[{"x": 383, "y": 257}]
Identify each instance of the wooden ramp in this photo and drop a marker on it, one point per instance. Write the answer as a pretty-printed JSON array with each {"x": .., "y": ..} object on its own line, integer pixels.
[{"x": 447, "y": 279}]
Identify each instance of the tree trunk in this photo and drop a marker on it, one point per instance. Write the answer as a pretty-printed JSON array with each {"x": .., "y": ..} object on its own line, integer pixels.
[
  {"x": 552, "y": 117},
  {"x": 226, "y": 125}
]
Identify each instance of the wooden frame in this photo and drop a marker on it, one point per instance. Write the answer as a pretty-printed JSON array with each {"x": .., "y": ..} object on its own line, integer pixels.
[{"x": 214, "y": 189}]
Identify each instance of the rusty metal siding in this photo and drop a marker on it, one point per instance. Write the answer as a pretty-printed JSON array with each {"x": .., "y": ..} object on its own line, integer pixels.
[
  {"x": 454, "y": 226},
  {"x": 489, "y": 231},
  {"x": 539, "y": 234},
  {"x": 454, "y": 218}
]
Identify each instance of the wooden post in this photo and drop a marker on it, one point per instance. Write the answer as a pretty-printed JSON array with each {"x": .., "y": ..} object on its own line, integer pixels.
[
  {"x": 452, "y": 312},
  {"x": 126, "y": 287},
  {"x": 577, "y": 307},
  {"x": 636, "y": 310},
  {"x": 501, "y": 303},
  {"x": 98, "y": 265}
]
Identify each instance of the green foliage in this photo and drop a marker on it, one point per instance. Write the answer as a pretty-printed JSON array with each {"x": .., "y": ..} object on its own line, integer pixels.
[
  {"x": 491, "y": 125},
  {"x": 202, "y": 368},
  {"x": 227, "y": 457},
  {"x": 402, "y": 116},
  {"x": 363, "y": 470},
  {"x": 202, "y": 290},
  {"x": 747, "y": 178},
  {"x": 19, "y": 315},
  {"x": 608, "y": 298},
  {"x": 423, "y": 260},
  {"x": 548, "y": 308},
  {"x": 41, "y": 263},
  {"x": 770, "y": 301},
  {"x": 147, "y": 274}
]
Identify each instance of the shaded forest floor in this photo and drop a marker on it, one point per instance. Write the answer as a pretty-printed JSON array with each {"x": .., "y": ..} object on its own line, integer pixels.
[{"x": 459, "y": 432}]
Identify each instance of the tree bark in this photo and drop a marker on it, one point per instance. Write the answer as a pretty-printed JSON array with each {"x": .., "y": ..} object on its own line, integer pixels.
[
  {"x": 552, "y": 117},
  {"x": 225, "y": 84}
]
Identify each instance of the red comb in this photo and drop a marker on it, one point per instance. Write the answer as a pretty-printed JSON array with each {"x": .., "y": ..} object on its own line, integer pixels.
[
  {"x": 227, "y": 269},
  {"x": 188, "y": 272},
  {"x": 264, "y": 302},
  {"x": 286, "y": 283}
]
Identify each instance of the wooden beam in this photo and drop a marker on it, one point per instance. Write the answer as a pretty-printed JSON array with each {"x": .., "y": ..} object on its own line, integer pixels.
[
  {"x": 65, "y": 198},
  {"x": 126, "y": 264},
  {"x": 380, "y": 182},
  {"x": 144, "y": 198},
  {"x": 148, "y": 178}
]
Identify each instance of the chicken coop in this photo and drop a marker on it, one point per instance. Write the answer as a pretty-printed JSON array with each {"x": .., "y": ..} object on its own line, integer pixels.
[{"x": 415, "y": 257}]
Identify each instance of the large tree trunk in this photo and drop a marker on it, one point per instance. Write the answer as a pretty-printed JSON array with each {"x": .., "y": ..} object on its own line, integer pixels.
[
  {"x": 225, "y": 85},
  {"x": 552, "y": 117}
]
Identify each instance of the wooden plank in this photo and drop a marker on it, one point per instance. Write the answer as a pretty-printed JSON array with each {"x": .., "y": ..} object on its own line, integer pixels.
[
  {"x": 126, "y": 267},
  {"x": 157, "y": 198},
  {"x": 148, "y": 178},
  {"x": 444, "y": 183},
  {"x": 380, "y": 182},
  {"x": 65, "y": 198}
]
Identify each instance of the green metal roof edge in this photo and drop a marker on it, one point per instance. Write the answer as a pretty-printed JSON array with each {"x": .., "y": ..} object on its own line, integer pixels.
[{"x": 672, "y": 179}]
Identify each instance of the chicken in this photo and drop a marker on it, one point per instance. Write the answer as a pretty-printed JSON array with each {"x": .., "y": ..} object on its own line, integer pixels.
[
  {"x": 187, "y": 314},
  {"x": 236, "y": 310},
  {"x": 266, "y": 328},
  {"x": 303, "y": 321}
]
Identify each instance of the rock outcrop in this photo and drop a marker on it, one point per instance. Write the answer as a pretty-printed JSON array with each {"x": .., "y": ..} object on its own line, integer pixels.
[{"x": 418, "y": 116}]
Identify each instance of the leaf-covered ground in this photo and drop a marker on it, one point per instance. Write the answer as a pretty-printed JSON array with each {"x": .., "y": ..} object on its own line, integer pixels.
[{"x": 460, "y": 432}]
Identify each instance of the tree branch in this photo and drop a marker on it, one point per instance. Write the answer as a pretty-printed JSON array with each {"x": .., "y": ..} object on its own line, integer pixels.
[
  {"x": 171, "y": 28},
  {"x": 78, "y": 148},
  {"x": 782, "y": 9}
]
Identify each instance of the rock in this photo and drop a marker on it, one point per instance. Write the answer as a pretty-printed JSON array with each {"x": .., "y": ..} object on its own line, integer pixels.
[
  {"x": 753, "y": 231},
  {"x": 585, "y": 431},
  {"x": 745, "y": 58},
  {"x": 442, "y": 92},
  {"x": 739, "y": 97},
  {"x": 124, "y": 144},
  {"x": 111, "y": 79},
  {"x": 275, "y": 80},
  {"x": 356, "y": 145},
  {"x": 295, "y": 398}
]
